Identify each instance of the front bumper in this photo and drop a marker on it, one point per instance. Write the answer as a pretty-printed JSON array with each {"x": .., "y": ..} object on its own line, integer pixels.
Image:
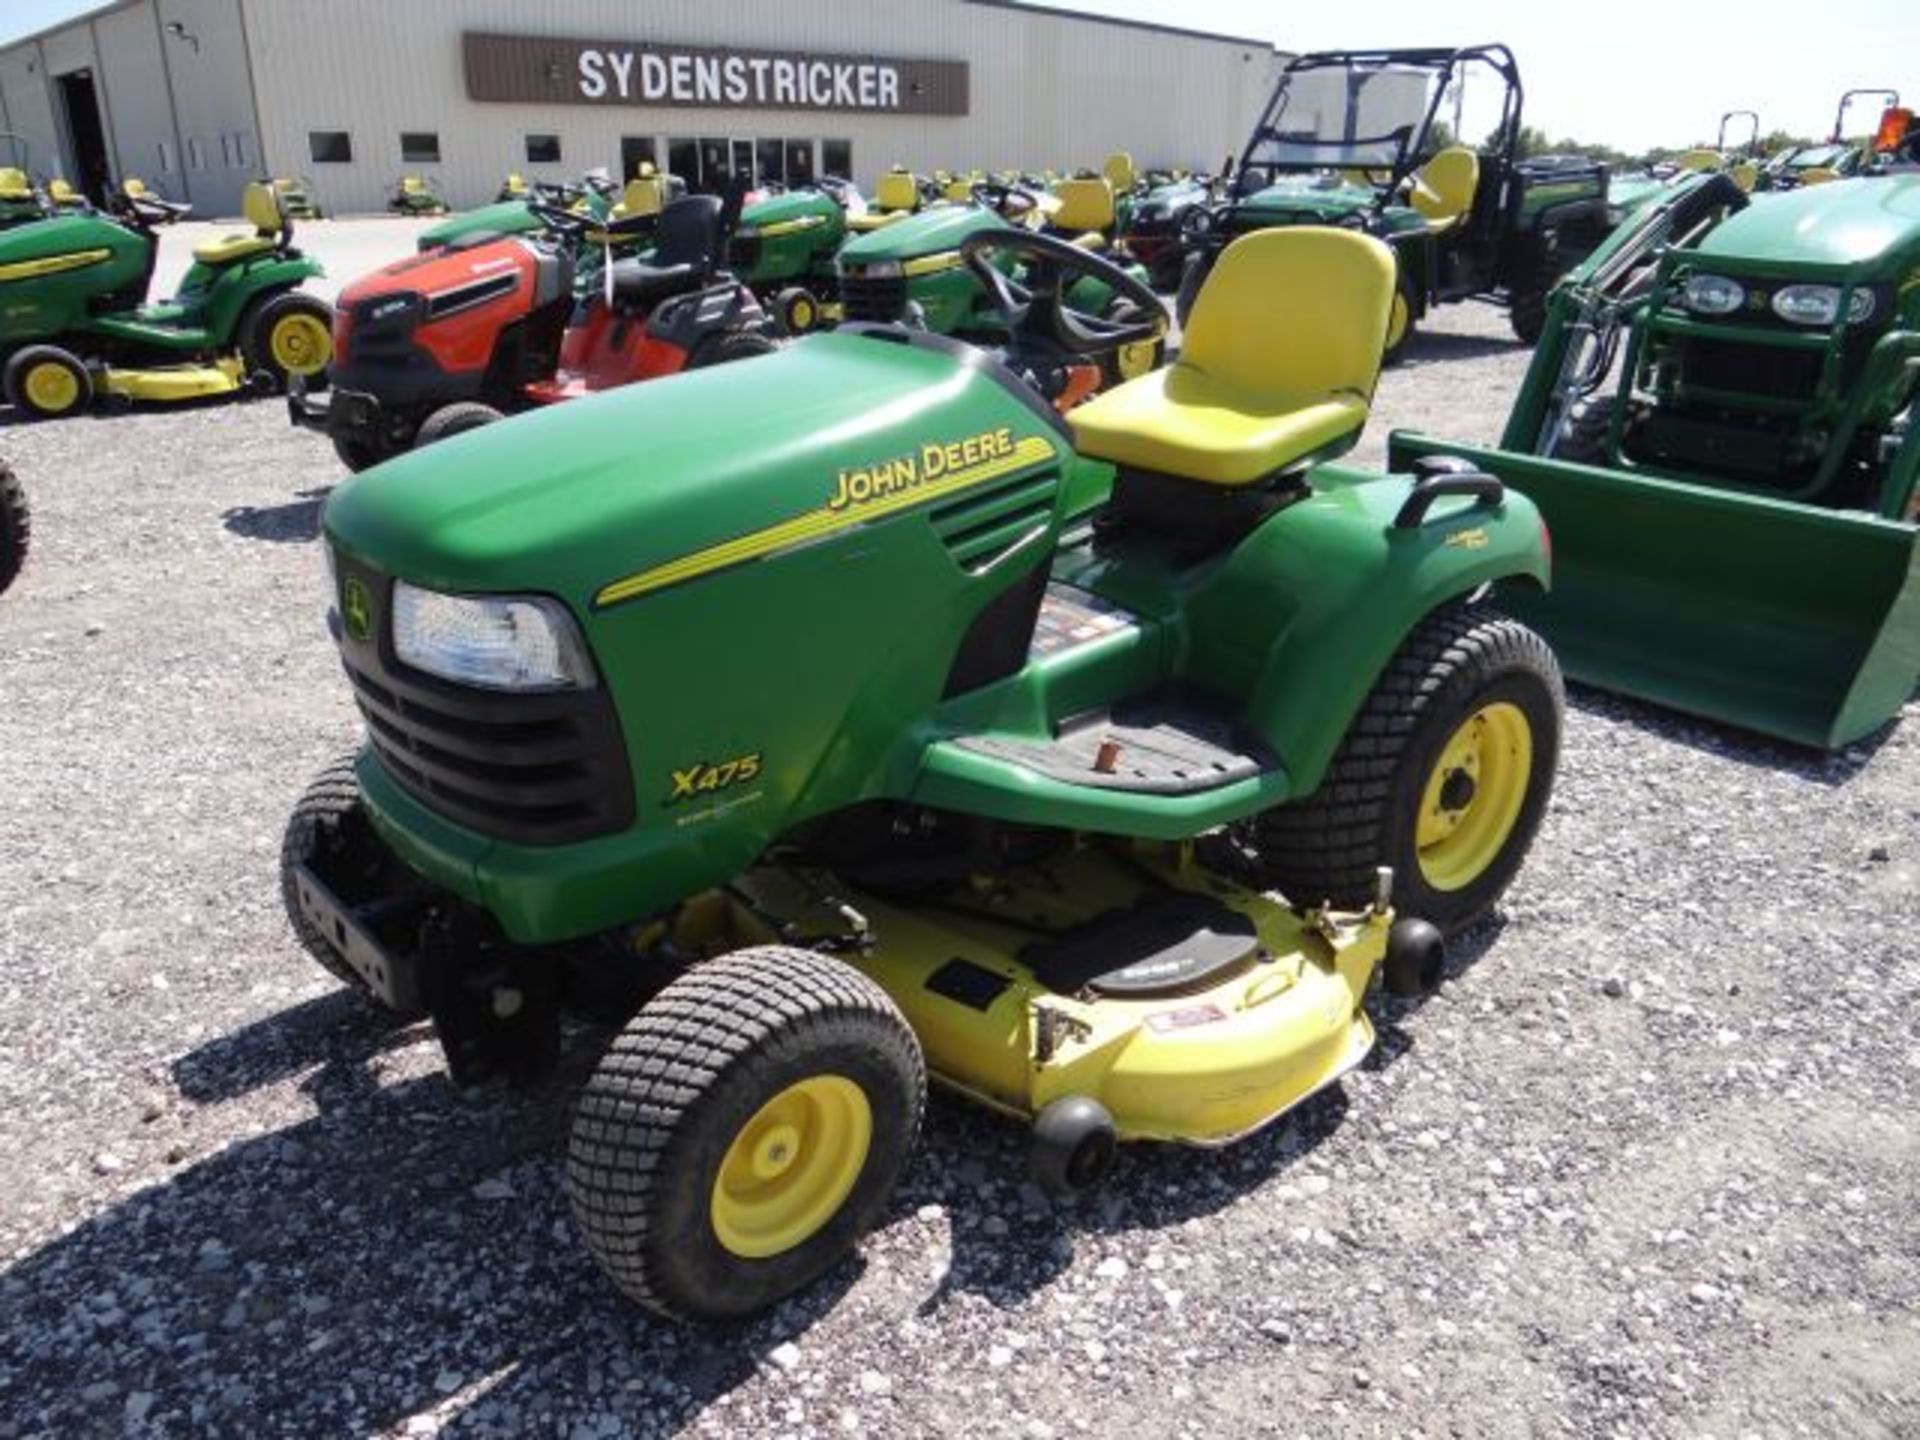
[
  {"x": 337, "y": 412},
  {"x": 391, "y": 974}
]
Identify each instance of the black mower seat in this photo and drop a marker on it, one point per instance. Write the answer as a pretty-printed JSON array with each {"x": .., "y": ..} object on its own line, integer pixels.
[
  {"x": 686, "y": 253},
  {"x": 640, "y": 286}
]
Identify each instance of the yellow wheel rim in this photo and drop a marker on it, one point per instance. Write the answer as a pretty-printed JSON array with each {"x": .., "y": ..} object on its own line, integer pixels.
[
  {"x": 1474, "y": 796},
  {"x": 791, "y": 1166},
  {"x": 1397, "y": 319},
  {"x": 1134, "y": 360},
  {"x": 300, "y": 344},
  {"x": 52, "y": 388},
  {"x": 800, "y": 315}
]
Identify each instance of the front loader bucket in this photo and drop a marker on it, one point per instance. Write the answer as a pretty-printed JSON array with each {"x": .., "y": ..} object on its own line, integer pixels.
[{"x": 1782, "y": 618}]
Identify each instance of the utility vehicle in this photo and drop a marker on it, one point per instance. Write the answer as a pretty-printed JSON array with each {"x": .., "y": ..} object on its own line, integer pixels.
[
  {"x": 75, "y": 322},
  {"x": 849, "y": 715},
  {"x": 1719, "y": 426},
  {"x": 1353, "y": 137}
]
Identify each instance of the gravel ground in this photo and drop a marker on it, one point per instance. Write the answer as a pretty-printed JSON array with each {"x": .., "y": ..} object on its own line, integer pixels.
[{"x": 1645, "y": 1165}]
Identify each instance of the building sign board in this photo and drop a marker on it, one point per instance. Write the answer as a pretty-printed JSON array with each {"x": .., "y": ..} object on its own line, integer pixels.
[{"x": 543, "y": 70}]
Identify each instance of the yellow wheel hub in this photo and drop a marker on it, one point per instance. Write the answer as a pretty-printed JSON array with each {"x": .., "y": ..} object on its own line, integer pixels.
[
  {"x": 52, "y": 388},
  {"x": 1134, "y": 360},
  {"x": 1397, "y": 319},
  {"x": 801, "y": 315},
  {"x": 1474, "y": 796},
  {"x": 300, "y": 344},
  {"x": 791, "y": 1167}
]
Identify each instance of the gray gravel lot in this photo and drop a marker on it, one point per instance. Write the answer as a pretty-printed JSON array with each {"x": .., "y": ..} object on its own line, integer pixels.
[{"x": 1645, "y": 1166}]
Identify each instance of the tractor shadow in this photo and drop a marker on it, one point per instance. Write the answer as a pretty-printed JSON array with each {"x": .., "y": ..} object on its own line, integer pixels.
[
  {"x": 293, "y": 523},
  {"x": 1741, "y": 747},
  {"x": 1439, "y": 347}
]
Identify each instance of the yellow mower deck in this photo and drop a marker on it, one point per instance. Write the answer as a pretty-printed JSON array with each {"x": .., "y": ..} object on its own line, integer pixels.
[
  {"x": 1200, "y": 1064},
  {"x": 174, "y": 382}
]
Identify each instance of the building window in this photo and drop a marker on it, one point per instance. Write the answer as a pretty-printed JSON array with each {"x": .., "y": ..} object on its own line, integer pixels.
[
  {"x": 635, "y": 151},
  {"x": 683, "y": 159},
  {"x": 420, "y": 147},
  {"x": 543, "y": 149},
  {"x": 330, "y": 147},
  {"x": 836, "y": 158},
  {"x": 770, "y": 161},
  {"x": 799, "y": 162}
]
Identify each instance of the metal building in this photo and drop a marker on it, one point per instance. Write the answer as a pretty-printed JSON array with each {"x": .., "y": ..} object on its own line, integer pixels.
[{"x": 196, "y": 97}]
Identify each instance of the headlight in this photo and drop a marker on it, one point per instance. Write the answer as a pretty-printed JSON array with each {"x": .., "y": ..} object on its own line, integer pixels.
[
  {"x": 1197, "y": 221},
  {"x": 492, "y": 642},
  {"x": 1820, "y": 304},
  {"x": 878, "y": 270},
  {"x": 1714, "y": 295},
  {"x": 746, "y": 232}
]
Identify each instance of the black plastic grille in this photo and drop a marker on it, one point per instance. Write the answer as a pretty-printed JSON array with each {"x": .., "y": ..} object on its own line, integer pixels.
[
  {"x": 743, "y": 252},
  {"x": 878, "y": 300},
  {"x": 1751, "y": 369},
  {"x": 536, "y": 769}
]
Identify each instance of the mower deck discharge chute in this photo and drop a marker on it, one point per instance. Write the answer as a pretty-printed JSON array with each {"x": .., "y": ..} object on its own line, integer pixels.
[
  {"x": 1719, "y": 429},
  {"x": 850, "y": 715}
]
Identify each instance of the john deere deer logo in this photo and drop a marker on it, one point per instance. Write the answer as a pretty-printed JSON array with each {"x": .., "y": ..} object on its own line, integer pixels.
[{"x": 356, "y": 608}]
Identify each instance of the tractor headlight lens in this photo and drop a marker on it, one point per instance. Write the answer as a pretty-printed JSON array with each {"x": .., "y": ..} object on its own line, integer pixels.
[
  {"x": 878, "y": 270},
  {"x": 491, "y": 642},
  {"x": 1714, "y": 295},
  {"x": 1820, "y": 304}
]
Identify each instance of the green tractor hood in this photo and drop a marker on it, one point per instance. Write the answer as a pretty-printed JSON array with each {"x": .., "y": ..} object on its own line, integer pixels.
[
  {"x": 794, "y": 205},
  {"x": 1290, "y": 204},
  {"x": 1875, "y": 223},
  {"x": 930, "y": 231},
  {"x": 504, "y": 217}
]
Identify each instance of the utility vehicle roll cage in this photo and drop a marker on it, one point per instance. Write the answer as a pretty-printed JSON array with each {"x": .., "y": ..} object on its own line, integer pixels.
[{"x": 1409, "y": 142}]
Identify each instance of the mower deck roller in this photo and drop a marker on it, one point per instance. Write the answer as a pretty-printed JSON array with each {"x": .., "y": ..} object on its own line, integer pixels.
[{"x": 1787, "y": 619}]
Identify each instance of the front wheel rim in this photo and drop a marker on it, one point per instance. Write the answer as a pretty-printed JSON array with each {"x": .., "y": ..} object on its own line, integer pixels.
[
  {"x": 1474, "y": 796},
  {"x": 52, "y": 388},
  {"x": 300, "y": 344},
  {"x": 791, "y": 1167}
]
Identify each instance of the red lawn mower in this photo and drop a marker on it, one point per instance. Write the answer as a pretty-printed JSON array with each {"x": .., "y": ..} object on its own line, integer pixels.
[{"x": 455, "y": 338}]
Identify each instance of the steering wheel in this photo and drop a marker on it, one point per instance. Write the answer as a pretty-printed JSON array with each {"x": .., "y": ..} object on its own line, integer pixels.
[
  {"x": 567, "y": 223},
  {"x": 1009, "y": 202},
  {"x": 1036, "y": 312}
]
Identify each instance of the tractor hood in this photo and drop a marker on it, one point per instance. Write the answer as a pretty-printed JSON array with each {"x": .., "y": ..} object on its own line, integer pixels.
[
  {"x": 794, "y": 205},
  {"x": 942, "y": 227},
  {"x": 64, "y": 235},
  {"x": 1294, "y": 203},
  {"x": 505, "y": 217},
  {"x": 1872, "y": 223},
  {"x": 646, "y": 480}
]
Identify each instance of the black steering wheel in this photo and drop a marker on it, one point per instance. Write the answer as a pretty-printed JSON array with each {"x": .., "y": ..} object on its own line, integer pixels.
[
  {"x": 568, "y": 224},
  {"x": 1036, "y": 313}
]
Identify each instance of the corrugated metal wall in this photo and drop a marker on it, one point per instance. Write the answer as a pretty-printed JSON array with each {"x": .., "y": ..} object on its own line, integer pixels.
[
  {"x": 140, "y": 110},
  {"x": 1047, "y": 90},
  {"x": 26, "y": 108}
]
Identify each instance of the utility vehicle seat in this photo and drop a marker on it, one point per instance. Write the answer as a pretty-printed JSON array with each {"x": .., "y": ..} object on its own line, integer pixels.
[
  {"x": 641, "y": 197},
  {"x": 1281, "y": 355},
  {"x": 1443, "y": 187},
  {"x": 14, "y": 184},
  {"x": 262, "y": 208},
  {"x": 1698, "y": 161},
  {"x": 1119, "y": 171},
  {"x": 686, "y": 253},
  {"x": 1085, "y": 214}
]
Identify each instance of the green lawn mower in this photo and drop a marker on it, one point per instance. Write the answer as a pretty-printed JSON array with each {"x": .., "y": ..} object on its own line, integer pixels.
[
  {"x": 75, "y": 322},
  {"x": 1462, "y": 223},
  {"x": 21, "y": 199},
  {"x": 783, "y": 249},
  {"x": 298, "y": 197},
  {"x": 1719, "y": 426},
  {"x": 417, "y": 195},
  {"x": 16, "y": 526},
  {"x": 847, "y": 716}
]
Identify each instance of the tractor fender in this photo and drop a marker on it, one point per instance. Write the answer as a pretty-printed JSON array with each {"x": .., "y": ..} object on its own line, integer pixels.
[
  {"x": 1336, "y": 586},
  {"x": 225, "y": 292}
]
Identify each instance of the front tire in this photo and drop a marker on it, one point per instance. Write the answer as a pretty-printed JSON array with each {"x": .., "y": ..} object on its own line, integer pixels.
[
  {"x": 47, "y": 382},
  {"x": 796, "y": 310},
  {"x": 1444, "y": 775},
  {"x": 16, "y": 527},
  {"x": 287, "y": 334},
  {"x": 455, "y": 419},
  {"x": 1537, "y": 271},
  {"x": 743, "y": 1131},
  {"x": 730, "y": 345},
  {"x": 357, "y": 454}
]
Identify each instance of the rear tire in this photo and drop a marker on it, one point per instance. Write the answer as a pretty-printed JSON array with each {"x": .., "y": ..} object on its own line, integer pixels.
[
  {"x": 730, "y": 345},
  {"x": 287, "y": 334},
  {"x": 796, "y": 310},
  {"x": 743, "y": 1131},
  {"x": 47, "y": 382},
  {"x": 455, "y": 419},
  {"x": 1536, "y": 272},
  {"x": 16, "y": 527},
  {"x": 1437, "y": 746},
  {"x": 329, "y": 825}
]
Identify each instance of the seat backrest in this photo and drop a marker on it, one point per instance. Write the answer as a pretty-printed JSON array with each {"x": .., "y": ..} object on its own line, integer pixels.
[
  {"x": 1118, "y": 170},
  {"x": 412, "y": 184},
  {"x": 1698, "y": 160},
  {"x": 1291, "y": 312},
  {"x": 641, "y": 197},
  {"x": 261, "y": 205},
  {"x": 1084, "y": 205},
  {"x": 644, "y": 170},
  {"x": 1818, "y": 175},
  {"x": 958, "y": 191},
  {"x": 515, "y": 183},
  {"x": 13, "y": 184},
  {"x": 1443, "y": 188},
  {"x": 896, "y": 191},
  {"x": 1746, "y": 174},
  {"x": 689, "y": 233},
  {"x": 133, "y": 187},
  {"x": 58, "y": 190}
]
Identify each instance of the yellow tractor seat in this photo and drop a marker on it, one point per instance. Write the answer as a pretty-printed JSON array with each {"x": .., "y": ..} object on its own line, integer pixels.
[
  {"x": 14, "y": 184},
  {"x": 60, "y": 192},
  {"x": 1746, "y": 174},
  {"x": 1443, "y": 188},
  {"x": 1698, "y": 161},
  {"x": 1085, "y": 206},
  {"x": 958, "y": 191},
  {"x": 1119, "y": 171},
  {"x": 641, "y": 197},
  {"x": 261, "y": 205},
  {"x": 896, "y": 191},
  {"x": 516, "y": 183},
  {"x": 1281, "y": 355},
  {"x": 1818, "y": 175},
  {"x": 133, "y": 187}
]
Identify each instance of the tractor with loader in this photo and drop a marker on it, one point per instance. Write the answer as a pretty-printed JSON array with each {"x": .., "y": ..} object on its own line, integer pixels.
[
  {"x": 897, "y": 726},
  {"x": 1719, "y": 425},
  {"x": 1353, "y": 138}
]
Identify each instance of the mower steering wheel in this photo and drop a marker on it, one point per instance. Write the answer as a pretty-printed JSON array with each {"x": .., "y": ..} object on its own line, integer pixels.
[
  {"x": 1036, "y": 312},
  {"x": 1009, "y": 202},
  {"x": 568, "y": 224}
]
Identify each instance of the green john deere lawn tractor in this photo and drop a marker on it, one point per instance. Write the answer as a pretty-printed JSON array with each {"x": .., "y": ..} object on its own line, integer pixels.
[
  {"x": 1719, "y": 426},
  {"x": 783, "y": 249},
  {"x": 848, "y": 715},
  {"x": 1354, "y": 138},
  {"x": 75, "y": 322}
]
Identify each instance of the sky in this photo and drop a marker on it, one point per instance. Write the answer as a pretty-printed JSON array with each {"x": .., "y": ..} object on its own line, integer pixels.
[{"x": 1630, "y": 73}]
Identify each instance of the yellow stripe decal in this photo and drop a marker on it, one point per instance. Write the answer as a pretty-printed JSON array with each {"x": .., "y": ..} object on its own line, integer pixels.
[
  {"x": 933, "y": 264},
  {"x": 52, "y": 264},
  {"x": 1033, "y": 450},
  {"x": 788, "y": 227}
]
